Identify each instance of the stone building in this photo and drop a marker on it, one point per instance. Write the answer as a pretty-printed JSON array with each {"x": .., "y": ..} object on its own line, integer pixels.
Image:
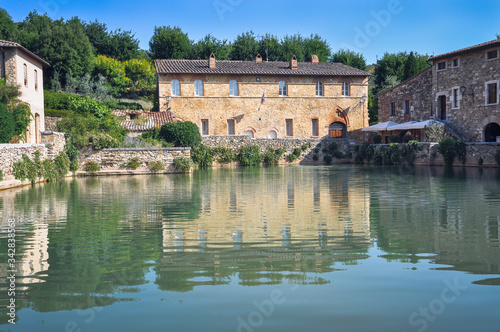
[
  {"x": 461, "y": 89},
  {"x": 265, "y": 99},
  {"x": 21, "y": 67}
]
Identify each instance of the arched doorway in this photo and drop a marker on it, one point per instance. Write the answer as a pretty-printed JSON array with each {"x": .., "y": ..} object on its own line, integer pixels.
[
  {"x": 337, "y": 130},
  {"x": 442, "y": 107},
  {"x": 491, "y": 132}
]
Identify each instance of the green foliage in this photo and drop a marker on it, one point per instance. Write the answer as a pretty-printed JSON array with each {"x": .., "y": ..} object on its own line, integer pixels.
[
  {"x": 120, "y": 105},
  {"x": 291, "y": 157},
  {"x": 208, "y": 45},
  {"x": 114, "y": 73},
  {"x": 314, "y": 44},
  {"x": 364, "y": 151},
  {"x": 156, "y": 166},
  {"x": 250, "y": 156},
  {"x": 350, "y": 58},
  {"x": 245, "y": 47},
  {"x": 57, "y": 100},
  {"x": 435, "y": 132},
  {"x": 461, "y": 151},
  {"x": 201, "y": 156},
  {"x": 86, "y": 105},
  {"x": 223, "y": 155},
  {"x": 170, "y": 43},
  {"x": 92, "y": 167},
  {"x": 372, "y": 108},
  {"x": 395, "y": 139},
  {"x": 297, "y": 151},
  {"x": 305, "y": 146},
  {"x": 1, "y": 174},
  {"x": 409, "y": 150},
  {"x": 327, "y": 158},
  {"x": 182, "y": 164},
  {"x": 133, "y": 163},
  {"x": 28, "y": 169},
  {"x": 62, "y": 164},
  {"x": 447, "y": 149},
  {"x": 406, "y": 138},
  {"x": 6, "y": 123},
  {"x": 8, "y": 29},
  {"x": 377, "y": 139},
  {"x": 181, "y": 133},
  {"x": 73, "y": 153},
  {"x": 49, "y": 172},
  {"x": 15, "y": 116},
  {"x": 315, "y": 157},
  {"x": 497, "y": 157},
  {"x": 338, "y": 154},
  {"x": 141, "y": 77},
  {"x": 103, "y": 141},
  {"x": 8, "y": 92},
  {"x": 271, "y": 156}
]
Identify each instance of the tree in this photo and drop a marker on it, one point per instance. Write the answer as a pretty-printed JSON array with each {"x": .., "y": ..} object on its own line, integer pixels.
[
  {"x": 170, "y": 43},
  {"x": 181, "y": 133},
  {"x": 15, "y": 116},
  {"x": 410, "y": 68},
  {"x": 6, "y": 123},
  {"x": 208, "y": 45},
  {"x": 349, "y": 58},
  {"x": 270, "y": 48},
  {"x": 316, "y": 45},
  {"x": 118, "y": 44},
  {"x": 114, "y": 72},
  {"x": 8, "y": 28},
  {"x": 141, "y": 75},
  {"x": 292, "y": 45},
  {"x": 245, "y": 47}
]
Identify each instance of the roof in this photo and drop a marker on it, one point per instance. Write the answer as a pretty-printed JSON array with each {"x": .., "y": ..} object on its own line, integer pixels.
[
  {"x": 9, "y": 44},
  {"x": 256, "y": 68},
  {"x": 491, "y": 43},
  {"x": 382, "y": 126},
  {"x": 150, "y": 119}
]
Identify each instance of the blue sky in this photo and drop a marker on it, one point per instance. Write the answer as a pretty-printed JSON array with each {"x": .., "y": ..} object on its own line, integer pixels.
[{"x": 371, "y": 27}]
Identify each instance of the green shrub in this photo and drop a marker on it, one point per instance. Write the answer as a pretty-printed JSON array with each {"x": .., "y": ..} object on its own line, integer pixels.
[
  {"x": 327, "y": 159},
  {"x": 57, "y": 100},
  {"x": 57, "y": 113},
  {"x": 201, "y": 156},
  {"x": 49, "y": 171},
  {"x": 181, "y": 133},
  {"x": 133, "y": 163},
  {"x": 297, "y": 152},
  {"x": 120, "y": 105},
  {"x": 315, "y": 157},
  {"x": 182, "y": 164},
  {"x": 103, "y": 141},
  {"x": 497, "y": 157},
  {"x": 338, "y": 154},
  {"x": 409, "y": 151},
  {"x": 1, "y": 174},
  {"x": 332, "y": 147},
  {"x": 363, "y": 151},
  {"x": 73, "y": 153},
  {"x": 406, "y": 138},
  {"x": 62, "y": 164},
  {"x": 447, "y": 149},
  {"x": 250, "y": 156},
  {"x": 272, "y": 157},
  {"x": 88, "y": 106},
  {"x": 92, "y": 167},
  {"x": 305, "y": 146},
  {"x": 29, "y": 169},
  {"x": 223, "y": 155},
  {"x": 395, "y": 139},
  {"x": 291, "y": 157},
  {"x": 461, "y": 151},
  {"x": 156, "y": 166},
  {"x": 377, "y": 139}
]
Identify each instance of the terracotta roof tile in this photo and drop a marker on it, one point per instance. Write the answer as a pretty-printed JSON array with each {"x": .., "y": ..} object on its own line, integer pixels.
[
  {"x": 491, "y": 43},
  {"x": 6, "y": 43},
  {"x": 254, "y": 68},
  {"x": 151, "y": 119}
]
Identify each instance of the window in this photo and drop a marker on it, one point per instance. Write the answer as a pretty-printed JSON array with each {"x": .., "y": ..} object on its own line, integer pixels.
[
  {"x": 283, "y": 89},
  {"x": 289, "y": 127},
  {"x": 442, "y": 65},
  {"x": 456, "y": 63},
  {"x": 36, "y": 80},
  {"x": 315, "y": 127},
  {"x": 346, "y": 89},
  {"x": 491, "y": 55},
  {"x": 230, "y": 127},
  {"x": 407, "y": 107},
  {"x": 272, "y": 134},
  {"x": 491, "y": 92},
  {"x": 233, "y": 88},
  {"x": 320, "y": 91},
  {"x": 175, "y": 88},
  {"x": 204, "y": 127},
  {"x": 198, "y": 88},
  {"x": 25, "y": 75},
  {"x": 392, "y": 109},
  {"x": 455, "y": 98}
]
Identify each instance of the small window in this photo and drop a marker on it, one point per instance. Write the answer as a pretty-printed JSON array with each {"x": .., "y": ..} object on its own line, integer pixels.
[
  {"x": 492, "y": 54},
  {"x": 455, "y": 96},
  {"x": 198, "y": 88},
  {"x": 407, "y": 107},
  {"x": 283, "y": 89},
  {"x": 230, "y": 127},
  {"x": 442, "y": 65},
  {"x": 392, "y": 109},
  {"x": 25, "y": 75},
  {"x": 36, "y": 80},
  {"x": 289, "y": 127},
  {"x": 204, "y": 127},
  {"x": 233, "y": 88},
  {"x": 315, "y": 127},
  {"x": 492, "y": 93},
  {"x": 346, "y": 89},
  {"x": 272, "y": 134},
  {"x": 456, "y": 63},
  {"x": 175, "y": 88},
  {"x": 320, "y": 91}
]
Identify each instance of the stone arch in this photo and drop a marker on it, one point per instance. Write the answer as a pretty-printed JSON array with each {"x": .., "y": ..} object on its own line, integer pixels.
[
  {"x": 272, "y": 133},
  {"x": 337, "y": 130},
  {"x": 491, "y": 132},
  {"x": 249, "y": 131},
  {"x": 338, "y": 115},
  {"x": 489, "y": 128}
]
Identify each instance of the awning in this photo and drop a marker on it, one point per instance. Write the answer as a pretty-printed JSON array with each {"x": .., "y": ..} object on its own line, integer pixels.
[
  {"x": 383, "y": 126},
  {"x": 423, "y": 124},
  {"x": 402, "y": 126}
]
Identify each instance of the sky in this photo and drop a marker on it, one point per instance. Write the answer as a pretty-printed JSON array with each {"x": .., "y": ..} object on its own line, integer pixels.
[{"x": 370, "y": 27}]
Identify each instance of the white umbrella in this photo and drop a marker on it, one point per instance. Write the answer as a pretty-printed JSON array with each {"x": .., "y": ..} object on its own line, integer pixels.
[
  {"x": 423, "y": 124},
  {"x": 403, "y": 126},
  {"x": 380, "y": 126}
]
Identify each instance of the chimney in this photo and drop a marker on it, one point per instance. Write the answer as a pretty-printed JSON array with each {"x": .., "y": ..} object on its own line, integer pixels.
[
  {"x": 293, "y": 63},
  {"x": 211, "y": 61},
  {"x": 314, "y": 58},
  {"x": 258, "y": 58}
]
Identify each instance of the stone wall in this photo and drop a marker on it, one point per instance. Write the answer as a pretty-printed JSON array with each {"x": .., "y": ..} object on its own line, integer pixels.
[
  {"x": 113, "y": 159},
  {"x": 51, "y": 123},
  {"x": 52, "y": 144}
]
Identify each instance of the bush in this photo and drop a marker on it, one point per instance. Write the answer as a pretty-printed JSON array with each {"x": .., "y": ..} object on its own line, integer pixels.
[
  {"x": 377, "y": 139},
  {"x": 73, "y": 153},
  {"x": 250, "y": 156},
  {"x": 62, "y": 164},
  {"x": 57, "y": 113},
  {"x": 133, "y": 163},
  {"x": 201, "y": 156},
  {"x": 86, "y": 105},
  {"x": 297, "y": 152},
  {"x": 315, "y": 157},
  {"x": 1, "y": 174},
  {"x": 57, "y": 100},
  {"x": 363, "y": 151},
  {"x": 327, "y": 159},
  {"x": 103, "y": 141},
  {"x": 272, "y": 157},
  {"x": 92, "y": 167},
  {"x": 156, "y": 166},
  {"x": 49, "y": 171},
  {"x": 305, "y": 146},
  {"x": 339, "y": 155},
  {"x": 291, "y": 157},
  {"x": 223, "y": 155},
  {"x": 447, "y": 149},
  {"x": 395, "y": 139},
  {"x": 435, "y": 132},
  {"x": 181, "y": 133},
  {"x": 29, "y": 169},
  {"x": 406, "y": 138},
  {"x": 461, "y": 151},
  {"x": 120, "y": 105},
  {"x": 497, "y": 157},
  {"x": 182, "y": 164}
]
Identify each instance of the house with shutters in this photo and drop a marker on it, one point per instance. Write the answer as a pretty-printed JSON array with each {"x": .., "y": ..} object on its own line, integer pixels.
[
  {"x": 460, "y": 89},
  {"x": 265, "y": 99},
  {"x": 21, "y": 67}
]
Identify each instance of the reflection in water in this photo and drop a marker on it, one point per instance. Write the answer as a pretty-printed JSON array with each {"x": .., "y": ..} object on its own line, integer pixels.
[{"x": 99, "y": 242}]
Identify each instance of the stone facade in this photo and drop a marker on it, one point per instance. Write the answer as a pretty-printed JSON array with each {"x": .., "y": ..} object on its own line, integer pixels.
[
  {"x": 258, "y": 110},
  {"x": 113, "y": 159},
  {"x": 463, "y": 91}
]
